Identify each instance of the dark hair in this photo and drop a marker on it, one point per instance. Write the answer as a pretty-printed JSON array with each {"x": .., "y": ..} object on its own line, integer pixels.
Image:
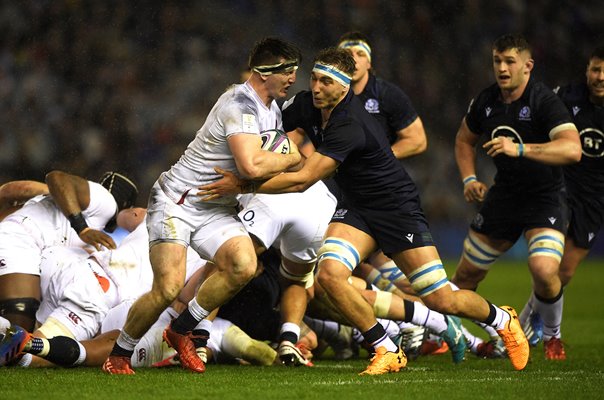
[
  {"x": 270, "y": 50},
  {"x": 354, "y": 35},
  {"x": 511, "y": 41},
  {"x": 597, "y": 53},
  {"x": 339, "y": 58},
  {"x": 123, "y": 190}
]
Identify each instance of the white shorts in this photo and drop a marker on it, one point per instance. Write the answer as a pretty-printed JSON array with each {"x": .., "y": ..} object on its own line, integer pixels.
[
  {"x": 292, "y": 222},
  {"x": 79, "y": 295},
  {"x": 19, "y": 251},
  {"x": 205, "y": 227}
]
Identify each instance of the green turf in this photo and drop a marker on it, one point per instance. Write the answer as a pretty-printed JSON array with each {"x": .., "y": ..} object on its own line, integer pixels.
[{"x": 434, "y": 377}]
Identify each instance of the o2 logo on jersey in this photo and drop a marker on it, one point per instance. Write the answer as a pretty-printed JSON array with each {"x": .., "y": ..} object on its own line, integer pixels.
[
  {"x": 508, "y": 132},
  {"x": 592, "y": 142},
  {"x": 248, "y": 217}
]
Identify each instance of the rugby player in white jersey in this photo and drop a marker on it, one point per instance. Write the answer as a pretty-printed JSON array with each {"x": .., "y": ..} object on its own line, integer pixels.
[
  {"x": 73, "y": 215},
  {"x": 229, "y": 139}
]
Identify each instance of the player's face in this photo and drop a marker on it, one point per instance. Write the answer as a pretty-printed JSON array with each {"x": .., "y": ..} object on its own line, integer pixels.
[
  {"x": 130, "y": 218},
  {"x": 512, "y": 68},
  {"x": 362, "y": 64},
  {"x": 326, "y": 92},
  {"x": 595, "y": 79},
  {"x": 279, "y": 83}
]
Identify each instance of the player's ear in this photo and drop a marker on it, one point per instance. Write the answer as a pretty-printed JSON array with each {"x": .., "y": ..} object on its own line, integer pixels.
[{"x": 530, "y": 63}]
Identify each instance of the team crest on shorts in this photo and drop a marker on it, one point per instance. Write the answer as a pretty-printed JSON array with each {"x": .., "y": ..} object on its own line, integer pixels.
[{"x": 478, "y": 220}]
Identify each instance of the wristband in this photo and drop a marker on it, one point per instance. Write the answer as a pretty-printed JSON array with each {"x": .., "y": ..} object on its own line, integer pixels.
[
  {"x": 77, "y": 221},
  {"x": 468, "y": 179},
  {"x": 520, "y": 150}
]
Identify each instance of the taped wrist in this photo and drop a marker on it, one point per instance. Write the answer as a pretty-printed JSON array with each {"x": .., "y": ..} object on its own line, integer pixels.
[{"x": 77, "y": 221}]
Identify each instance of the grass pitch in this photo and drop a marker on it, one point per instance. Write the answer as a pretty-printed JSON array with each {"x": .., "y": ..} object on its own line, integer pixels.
[{"x": 581, "y": 376}]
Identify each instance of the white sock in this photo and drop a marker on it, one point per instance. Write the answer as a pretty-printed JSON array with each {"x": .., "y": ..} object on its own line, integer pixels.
[
  {"x": 551, "y": 314},
  {"x": 197, "y": 311},
  {"x": 126, "y": 341},
  {"x": 431, "y": 319}
]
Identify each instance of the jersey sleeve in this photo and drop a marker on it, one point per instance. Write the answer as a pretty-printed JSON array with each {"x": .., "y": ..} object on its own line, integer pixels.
[
  {"x": 102, "y": 206},
  {"x": 553, "y": 113},
  {"x": 342, "y": 139},
  {"x": 398, "y": 108},
  {"x": 239, "y": 118},
  {"x": 472, "y": 120}
]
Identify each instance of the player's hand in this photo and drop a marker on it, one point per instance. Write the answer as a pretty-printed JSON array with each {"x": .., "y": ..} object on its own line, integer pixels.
[
  {"x": 501, "y": 145},
  {"x": 229, "y": 184},
  {"x": 97, "y": 239},
  {"x": 475, "y": 191}
]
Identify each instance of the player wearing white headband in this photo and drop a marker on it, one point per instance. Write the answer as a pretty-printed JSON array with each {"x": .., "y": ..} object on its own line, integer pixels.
[
  {"x": 380, "y": 209},
  {"x": 229, "y": 139}
]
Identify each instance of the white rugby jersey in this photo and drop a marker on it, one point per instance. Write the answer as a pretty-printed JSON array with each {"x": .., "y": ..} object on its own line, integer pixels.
[
  {"x": 238, "y": 110},
  {"x": 45, "y": 222}
]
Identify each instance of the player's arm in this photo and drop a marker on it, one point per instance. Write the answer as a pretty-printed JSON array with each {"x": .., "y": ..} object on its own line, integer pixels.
[
  {"x": 305, "y": 146},
  {"x": 411, "y": 140},
  {"x": 254, "y": 163},
  {"x": 316, "y": 167},
  {"x": 18, "y": 192},
  {"x": 465, "y": 156},
  {"x": 72, "y": 195},
  {"x": 564, "y": 148}
]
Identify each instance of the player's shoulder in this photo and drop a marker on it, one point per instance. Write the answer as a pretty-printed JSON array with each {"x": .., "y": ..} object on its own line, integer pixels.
[{"x": 572, "y": 93}]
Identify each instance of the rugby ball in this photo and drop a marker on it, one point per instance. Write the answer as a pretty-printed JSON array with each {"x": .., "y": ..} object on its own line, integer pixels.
[{"x": 275, "y": 140}]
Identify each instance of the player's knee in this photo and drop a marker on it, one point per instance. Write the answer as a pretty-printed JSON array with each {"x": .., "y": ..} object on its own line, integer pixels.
[
  {"x": 242, "y": 268},
  {"x": 166, "y": 293}
]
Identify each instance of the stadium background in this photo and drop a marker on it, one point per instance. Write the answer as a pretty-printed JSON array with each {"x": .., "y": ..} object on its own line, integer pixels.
[{"x": 90, "y": 86}]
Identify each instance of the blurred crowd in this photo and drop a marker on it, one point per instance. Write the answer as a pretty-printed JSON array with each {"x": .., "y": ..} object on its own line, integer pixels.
[{"x": 90, "y": 86}]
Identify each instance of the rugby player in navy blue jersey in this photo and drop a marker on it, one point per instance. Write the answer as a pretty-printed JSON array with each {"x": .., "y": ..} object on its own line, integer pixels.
[
  {"x": 584, "y": 181},
  {"x": 380, "y": 209},
  {"x": 530, "y": 135}
]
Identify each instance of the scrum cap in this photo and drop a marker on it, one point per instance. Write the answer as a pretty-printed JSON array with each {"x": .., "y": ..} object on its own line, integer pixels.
[{"x": 124, "y": 191}]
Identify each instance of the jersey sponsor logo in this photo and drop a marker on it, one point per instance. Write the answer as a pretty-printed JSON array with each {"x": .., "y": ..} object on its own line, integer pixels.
[
  {"x": 576, "y": 110},
  {"x": 141, "y": 355},
  {"x": 507, "y": 131},
  {"x": 372, "y": 106},
  {"x": 590, "y": 236},
  {"x": 409, "y": 237},
  {"x": 592, "y": 142},
  {"x": 248, "y": 217},
  {"x": 74, "y": 318},
  {"x": 524, "y": 114},
  {"x": 488, "y": 110},
  {"x": 2, "y": 263},
  {"x": 552, "y": 220}
]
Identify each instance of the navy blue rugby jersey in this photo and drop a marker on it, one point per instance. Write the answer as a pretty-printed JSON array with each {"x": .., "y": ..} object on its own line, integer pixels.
[
  {"x": 389, "y": 104},
  {"x": 586, "y": 176},
  {"x": 526, "y": 120},
  {"x": 368, "y": 174}
]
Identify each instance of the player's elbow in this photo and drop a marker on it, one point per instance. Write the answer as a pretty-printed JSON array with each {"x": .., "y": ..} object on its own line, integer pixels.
[
  {"x": 575, "y": 153},
  {"x": 54, "y": 177}
]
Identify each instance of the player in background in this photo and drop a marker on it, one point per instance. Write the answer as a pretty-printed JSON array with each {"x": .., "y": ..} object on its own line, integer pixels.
[
  {"x": 381, "y": 210},
  {"x": 584, "y": 188},
  {"x": 530, "y": 136},
  {"x": 72, "y": 215},
  {"x": 230, "y": 139}
]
